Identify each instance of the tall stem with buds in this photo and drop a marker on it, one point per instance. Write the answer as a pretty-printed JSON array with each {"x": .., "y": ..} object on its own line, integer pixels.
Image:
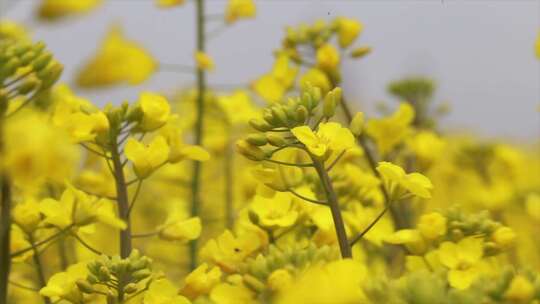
[{"x": 121, "y": 198}]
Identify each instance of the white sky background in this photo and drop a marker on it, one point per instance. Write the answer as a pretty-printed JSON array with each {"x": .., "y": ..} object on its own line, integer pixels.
[{"x": 480, "y": 52}]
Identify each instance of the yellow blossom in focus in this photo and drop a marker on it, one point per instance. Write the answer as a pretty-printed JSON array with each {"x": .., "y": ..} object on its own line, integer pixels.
[
  {"x": 155, "y": 111},
  {"x": 162, "y": 291},
  {"x": 317, "y": 78},
  {"x": 117, "y": 61},
  {"x": 276, "y": 212},
  {"x": 239, "y": 9},
  {"x": 26, "y": 215},
  {"x": 204, "y": 61},
  {"x": 521, "y": 290},
  {"x": 62, "y": 285},
  {"x": 400, "y": 184},
  {"x": 178, "y": 150},
  {"x": 228, "y": 251},
  {"x": 462, "y": 260},
  {"x": 336, "y": 282},
  {"x": 390, "y": 131},
  {"x": 147, "y": 158},
  {"x": 327, "y": 57},
  {"x": 53, "y": 9},
  {"x": 330, "y": 137},
  {"x": 348, "y": 30},
  {"x": 432, "y": 225},
  {"x": 169, "y": 3},
  {"x": 200, "y": 281}
]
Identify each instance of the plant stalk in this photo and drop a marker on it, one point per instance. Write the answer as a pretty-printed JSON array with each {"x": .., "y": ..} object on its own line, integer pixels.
[
  {"x": 122, "y": 199},
  {"x": 39, "y": 267},
  {"x": 331, "y": 196},
  {"x": 201, "y": 89},
  {"x": 5, "y": 231}
]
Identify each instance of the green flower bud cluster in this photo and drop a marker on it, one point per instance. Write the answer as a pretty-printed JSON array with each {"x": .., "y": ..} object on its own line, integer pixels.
[
  {"x": 119, "y": 275},
  {"x": 26, "y": 69},
  {"x": 279, "y": 118},
  {"x": 499, "y": 289},
  {"x": 293, "y": 259}
]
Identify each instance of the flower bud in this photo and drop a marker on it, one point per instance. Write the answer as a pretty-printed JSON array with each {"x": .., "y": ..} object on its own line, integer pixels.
[
  {"x": 130, "y": 288},
  {"x": 253, "y": 283},
  {"x": 280, "y": 116},
  {"x": 331, "y": 101},
  {"x": 30, "y": 84},
  {"x": 42, "y": 61},
  {"x": 360, "y": 52},
  {"x": 275, "y": 140},
  {"x": 249, "y": 151},
  {"x": 141, "y": 274},
  {"x": 259, "y": 125},
  {"x": 256, "y": 139},
  {"x": 357, "y": 124},
  {"x": 84, "y": 286}
]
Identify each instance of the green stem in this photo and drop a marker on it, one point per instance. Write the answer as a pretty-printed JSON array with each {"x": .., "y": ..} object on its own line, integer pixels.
[
  {"x": 331, "y": 196},
  {"x": 122, "y": 199},
  {"x": 201, "y": 88},
  {"x": 229, "y": 186},
  {"x": 39, "y": 267},
  {"x": 5, "y": 231}
]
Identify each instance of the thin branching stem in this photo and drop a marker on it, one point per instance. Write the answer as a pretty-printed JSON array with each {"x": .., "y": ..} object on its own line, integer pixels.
[{"x": 311, "y": 200}]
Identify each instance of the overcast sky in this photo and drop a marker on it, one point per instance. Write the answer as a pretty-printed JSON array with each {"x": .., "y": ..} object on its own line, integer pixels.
[{"x": 481, "y": 53}]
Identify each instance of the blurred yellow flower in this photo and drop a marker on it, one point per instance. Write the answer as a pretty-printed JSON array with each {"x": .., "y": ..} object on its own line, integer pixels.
[
  {"x": 26, "y": 215},
  {"x": 169, "y": 3},
  {"x": 117, "y": 61},
  {"x": 330, "y": 138},
  {"x": 432, "y": 225},
  {"x": 521, "y": 290},
  {"x": 178, "y": 150},
  {"x": 13, "y": 30},
  {"x": 226, "y": 293},
  {"x": 390, "y": 131},
  {"x": 280, "y": 279},
  {"x": 462, "y": 260},
  {"x": 53, "y": 9},
  {"x": 317, "y": 78},
  {"x": 239, "y": 9},
  {"x": 18, "y": 242},
  {"x": 410, "y": 238},
  {"x": 180, "y": 227},
  {"x": 238, "y": 107},
  {"x": 327, "y": 57},
  {"x": 504, "y": 237},
  {"x": 147, "y": 158},
  {"x": 63, "y": 285},
  {"x": 273, "y": 86},
  {"x": 201, "y": 281},
  {"x": 348, "y": 30},
  {"x": 204, "y": 61},
  {"x": 162, "y": 291}
]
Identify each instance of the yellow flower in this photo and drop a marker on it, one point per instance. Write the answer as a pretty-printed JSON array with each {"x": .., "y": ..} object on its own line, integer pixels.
[
  {"x": 348, "y": 30},
  {"x": 53, "y": 9},
  {"x": 410, "y": 238},
  {"x": 201, "y": 280},
  {"x": 26, "y": 215},
  {"x": 280, "y": 279},
  {"x": 77, "y": 208},
  {"x": 462, "y": 260},
  {"x": 228, "y": 251},
  {"x": 390, "y": 131},
  {"x": 147, "y": 158},
  {"x": 277, "y": 177},
  {"x": 538, "y": 46},
  {"x": 36, "y": 151},
  {"x": 169, "y": 3},
  {"x": 63, "y": 285},
  {"x": 327, "y": 57},
  {"x": 179, "y": 227},
  {"x": 237, "y": 9},
  {"x": 432, "y": 225},
  {"x": 273, "y": 86},
  {"x": 238, "y": 107},
  {"x": 532, "y": 205},
  {"x": 331, "y": 137},
  {"x": 276, "y": 212},
  {"x": 204, "y": 61},
  {"x": 521, "y": 290},
  {"x": 80, "y": 126},
  {"x": 504, "y": 237},
  {"x": 155, "y": 109},
  {"x": 19, "y": 242},
  {"x": 427, "y": 146},
  {"x": 359, "y": 217},
  {"x": 399, "y": 184},
  {"x": 317, "y": 78},
  {"x": 336, "y": 282},
  {"x": 13, "y": 30},
  {"x": 226, "y": 293},
  {"x": 118, "y": 61},
  {"x": 179, "y": 151},
  {"x": 162, "y": 291}
]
